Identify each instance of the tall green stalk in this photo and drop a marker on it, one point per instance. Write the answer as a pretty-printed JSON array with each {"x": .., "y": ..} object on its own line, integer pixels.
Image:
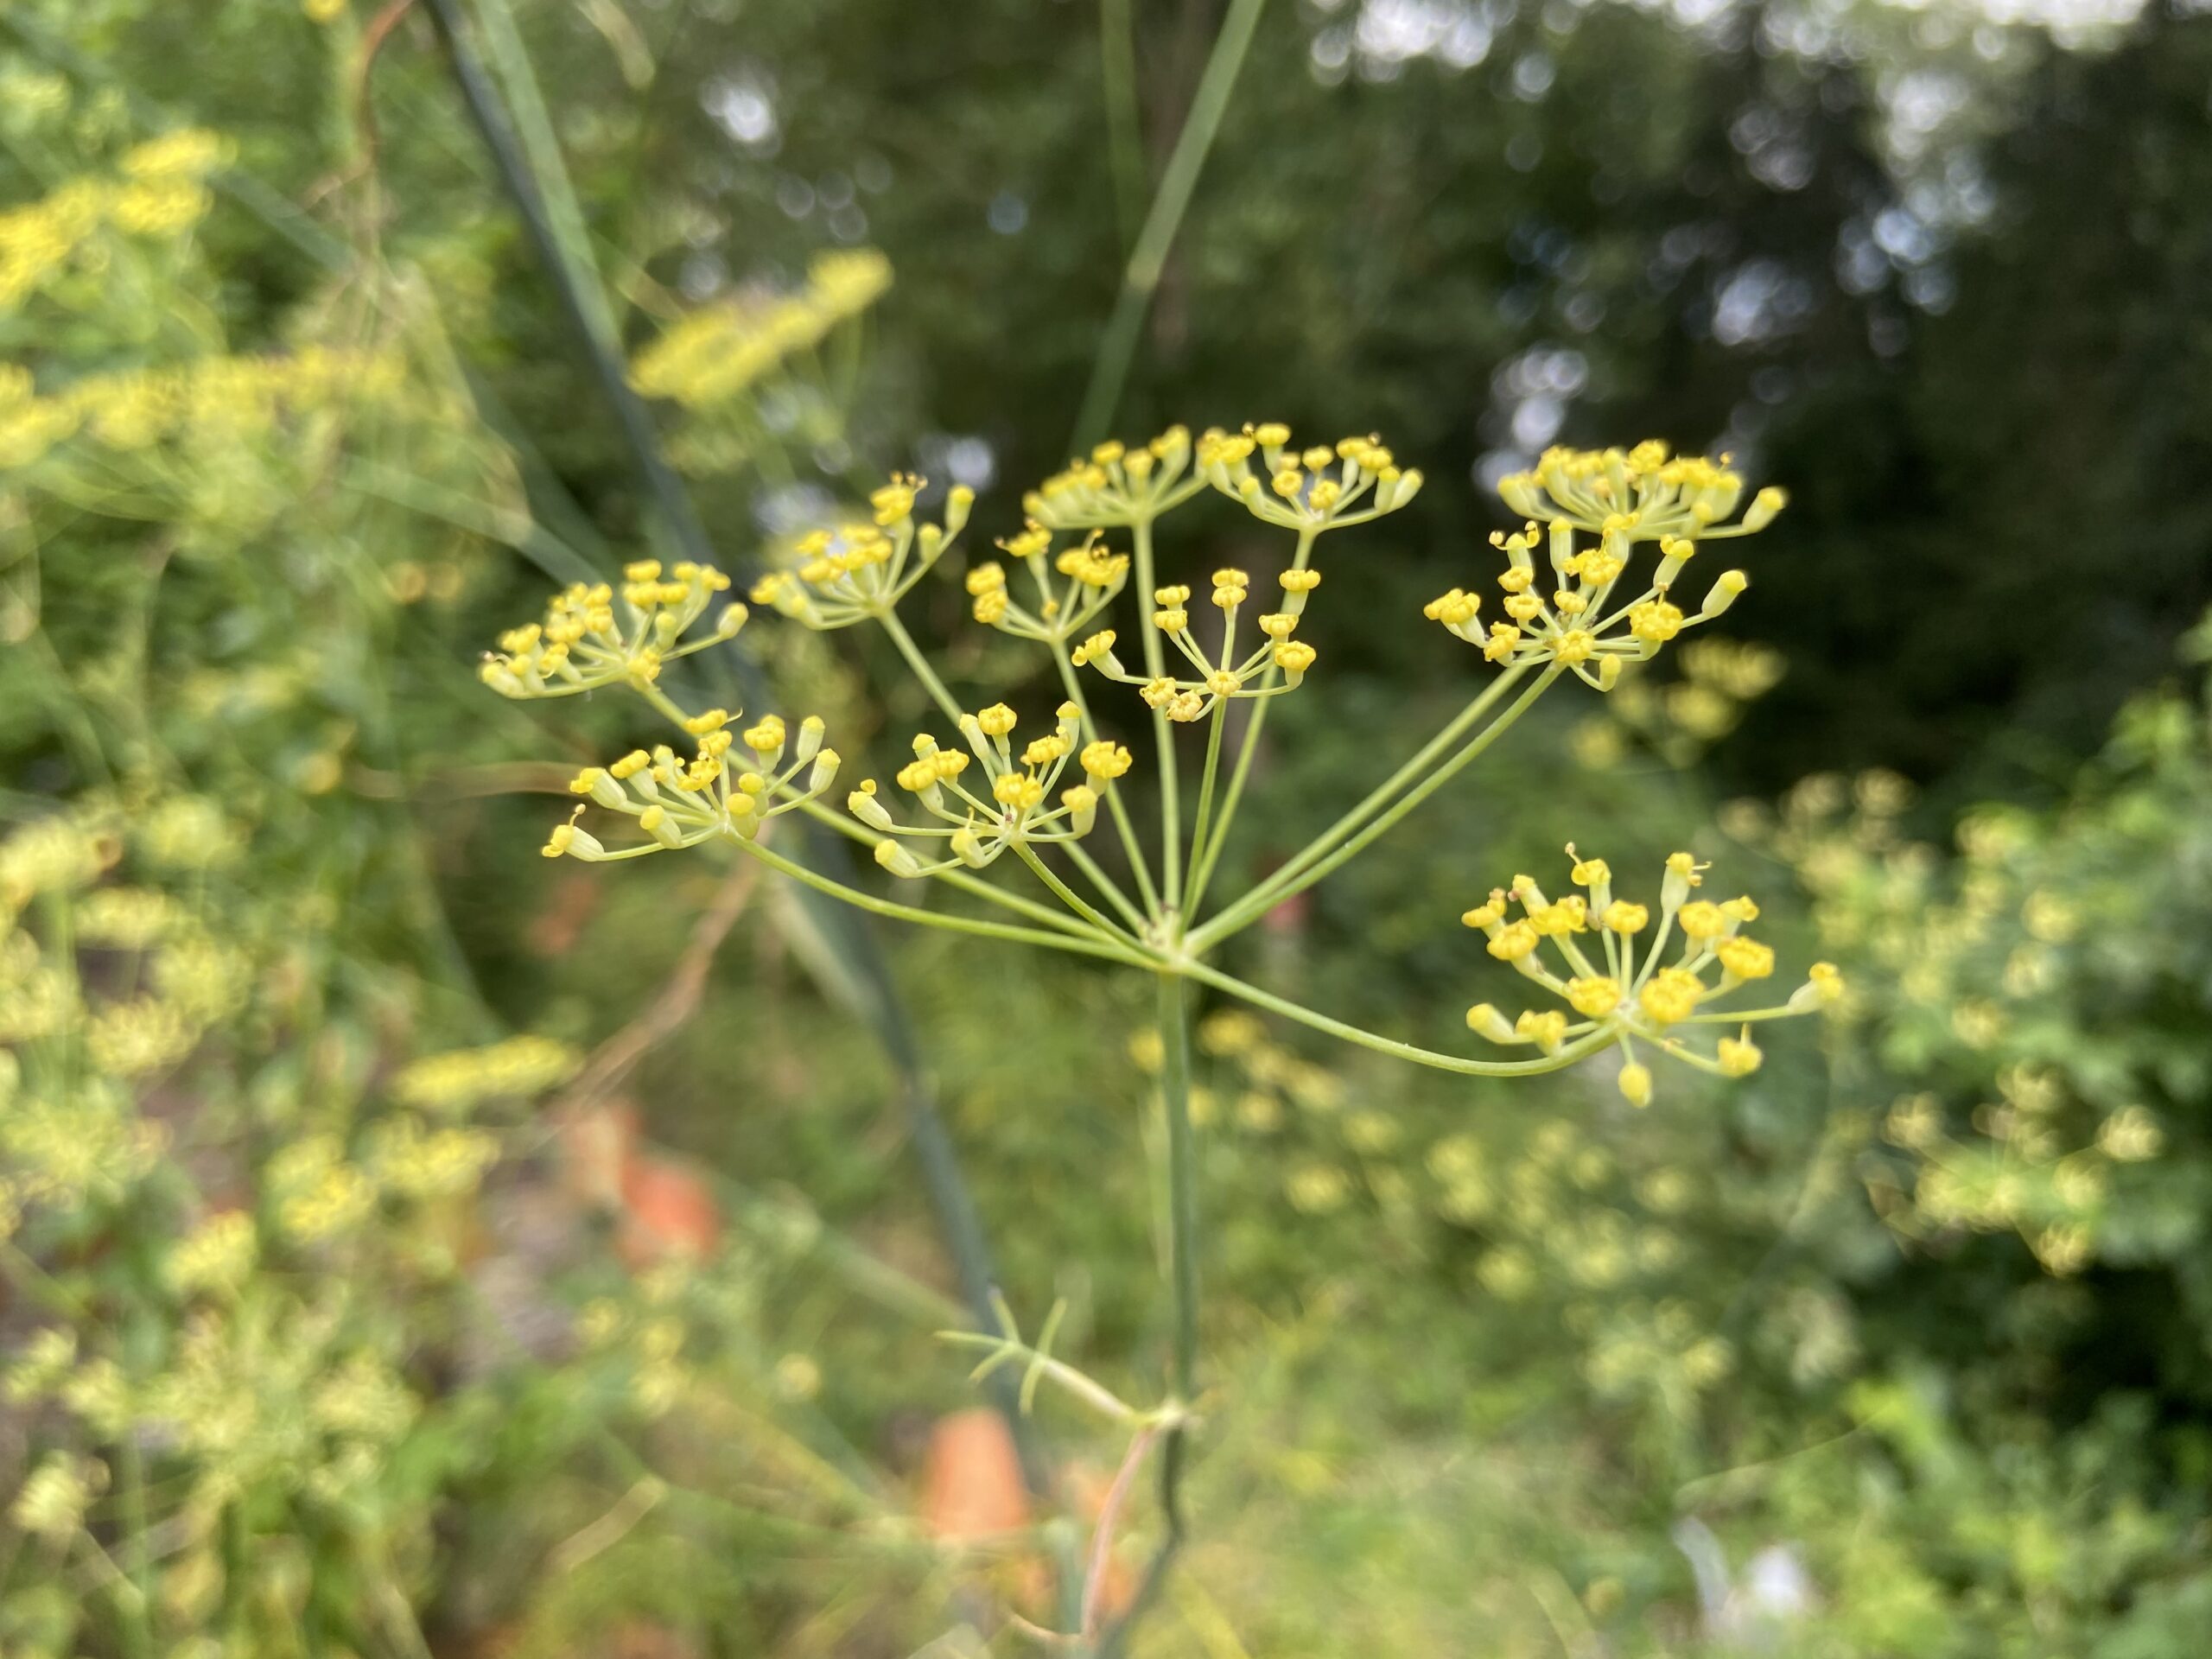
[
  {"x": 1183, "y": 1280},
  {"x": 1150, "y": 258}
]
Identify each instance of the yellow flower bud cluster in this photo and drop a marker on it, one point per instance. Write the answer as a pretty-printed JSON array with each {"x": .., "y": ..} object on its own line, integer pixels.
[
  {"x": 859, "y": 571},
  {"x": 1573, "y": 616},
  {"x": 1006, "y": 806},
  {"x": 515, "y": 1068},
  {"x": 1623, "y": 989},
  {"x": 1276, "y": 664},
  {"x": 1090, "y": 576},
  {"x": 214, "y": 401},
  {"x": 1118, "y": 485},
  {"x": 597, "y": 635},
  {"x": 1645, "y": 492},
  {"x": 722, "y": 350},
  {"x": 718, "y": 793},
  {"x": 1310, "y": 490},
  {"x": 161, "y": 193}
]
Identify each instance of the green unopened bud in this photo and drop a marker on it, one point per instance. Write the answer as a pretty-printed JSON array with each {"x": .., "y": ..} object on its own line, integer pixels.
[
  {"x": 897, "y": 859},
  {"x": 864, "y": 805},
  {"x": 968, "y": 848},
  {"x": 1822, "y": 989},
  {"x": 1767, "y": 503},
  {"x": 810, "y": 732},
  {"x": 1724, "y": 592},
  {"x": 732, "y": 619},
  {"x": 501, "y": 678},
  {"x": 824, "y": 772},
  {"x": 1485, "y": 1021},
  {"x": 957, "y": 502}
]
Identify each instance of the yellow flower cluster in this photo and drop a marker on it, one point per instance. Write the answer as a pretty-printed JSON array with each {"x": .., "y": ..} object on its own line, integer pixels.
[
  {"x": 161, "y": 193},
  {"x": 977, "y": 830},
  {"x": 858, "y": 571},
  {"x": 680, "y": 803},
  {"x": 212, "y": 399},
  {"x": 1643, "y": 493},
  {"x": 1092, "y": 579},
  {"x": 1324, "y": 487},
  {"x": 598, "y": 634},
  {"x": 716, "y": 354},
  {"x": 216, "y": 1257},
  {"x": 1621, "y": 989},
  {"x": 516, "y": 1068},
  {"x": 1621, "y": 498},
  {"x": 1228, "y": 674},
  {"x": 1118, "y": 486},
  {"x": 413, "y": 1161},
  {"x": 69, "y": 1132},
  {"x": 53, "y": 855}
]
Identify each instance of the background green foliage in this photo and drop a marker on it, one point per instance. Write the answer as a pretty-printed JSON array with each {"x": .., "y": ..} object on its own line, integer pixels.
[{"x": 1922, "y": 1304}]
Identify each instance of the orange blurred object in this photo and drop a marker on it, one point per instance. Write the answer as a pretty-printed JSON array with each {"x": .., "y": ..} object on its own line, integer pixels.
[
  {"x": 667, "y": 1210},
  {"x": 597, "y": 1143},
  {"x": 971, "y": 1485}
]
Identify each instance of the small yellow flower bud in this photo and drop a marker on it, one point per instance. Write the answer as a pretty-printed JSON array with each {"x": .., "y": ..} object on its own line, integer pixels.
[
  {"x": 897, "y": 859},
  {"x": 1594, "y": 996},
  {"x": 1546, "y": 1030},
  {"x": 1764, "y": 506},
  {"x": 1513, "y": 942},
  {"x": 1701, "y": 920},
  {"x": 1740, "y": 1058},
  {"x": 1724, "y": 592},
  {"x": 1487, "y": 1021},
  {"x": 1105, "y": 760},
  {"x": 1670, "y": 995},
  {"x": 1635, "y": 1084},
  {"x": 864, "y": 805},
  {"x": 1745, "y": 958},
  {"x": 1823, "y": 989}
]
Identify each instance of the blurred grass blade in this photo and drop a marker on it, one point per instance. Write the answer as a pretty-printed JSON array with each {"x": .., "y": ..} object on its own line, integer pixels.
[{"x": 1111, "y": 372}]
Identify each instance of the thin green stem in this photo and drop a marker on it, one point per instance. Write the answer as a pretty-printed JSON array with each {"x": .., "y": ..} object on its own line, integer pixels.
[
  {"x": 919, "y": 663},
  {"x": 1182, "y": 1222},
  {"x": 1381, "y": 796},
  {"x": 1204, "y": 820},
  {"x": 1132, "y": 848},
  {"x": 1117, "y": 60},
  {"x": 1206, "y": 855},
  {"x": 1566, "y": 1056},
  {"x": 1150, "y": 258},
  {"x": 829, "y": 817},
  {"x": 1068, "y": 896},
  {"x": 1163, "y": 733},
  {"x": 1106, "y": 885},
  {"x": 1270, "y": 894},
  {"x": 875, "y": 906}
]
